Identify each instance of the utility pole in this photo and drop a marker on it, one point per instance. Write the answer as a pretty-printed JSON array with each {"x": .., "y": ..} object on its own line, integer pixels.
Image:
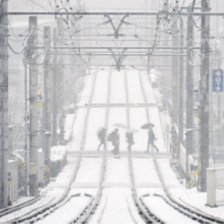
[
  {"x": 146, "y": 33},
  {"x": 204, "y": 95},
  {"x": 189, "y": 88},
  {"x": 26, "y": 126},
  {"x": 34, "y": 110},
  {"x": 175, "y": 63},
  {"x": 175, "y": 70},
  {"x": 181, "y": 82},
  {"x": 3, "y": 104},
  {"x": 54, "y": 91},
  {"x": 47, "y": 109},
  {"x": 61, "y": 84}
]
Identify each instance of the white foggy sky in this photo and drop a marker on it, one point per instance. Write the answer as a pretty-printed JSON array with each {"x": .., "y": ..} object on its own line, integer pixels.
[
  {"x": 32, "y": 5},
  {"x": 129, "y": 4}
]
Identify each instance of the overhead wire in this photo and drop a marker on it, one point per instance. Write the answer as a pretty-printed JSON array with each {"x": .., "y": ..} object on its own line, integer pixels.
[
  {"x": 16, "y": 51},
  {"x": 38, "y": 4},
  {"x": 69, "y": 31}
]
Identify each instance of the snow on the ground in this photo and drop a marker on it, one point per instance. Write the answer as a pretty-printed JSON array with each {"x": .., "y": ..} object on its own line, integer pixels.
[
  {"x": 86, "y": 93},
  {"x": 78, "y": 130},
  {"x": 50, "y": 193},
  {"x": 145, "y": 172},
  {"x": 168, "y": 174},
  {"x": 118, "y": 87},
  {"x": 89, "y": 171},
  {"x": 69, "y": 121},
  {"x": 197, "y": 200},
  {"x": 63, "y": 178},
  {"x": 134, "y": 88},
  {"x": 117, "y": 172},
  {"x": 116, "y": 203},
  {"x": 58, "y": 153},
  {"x": 100, "y": 95},
  {"x": 116, "y": 207},
  {"x": 166, "y": 127},
  {"x": 67, "y": 212},
  {"x": 27, "y": 210},
  {"x": 22, "y": 200},
  {"x": 148, "y": 89},
  {"x": 96, "y": 118},
  {"x": 166, "y": 212}
]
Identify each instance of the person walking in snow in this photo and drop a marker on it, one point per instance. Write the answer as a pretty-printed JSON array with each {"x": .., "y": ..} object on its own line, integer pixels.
[
  {"x": 114, "y": 137},
  {"x": 130, "y": 139},
  {"x": 151, "y": 139},
  {"x": 102, "y": 138}
]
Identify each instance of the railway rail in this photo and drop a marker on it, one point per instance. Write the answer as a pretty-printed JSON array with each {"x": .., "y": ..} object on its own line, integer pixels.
[
  {"x": 143, "y": 210},
  {"x": 85, "y": 215},
  {"x": 146, "y": 213},
  {"x": 168, "y": 198},
  {"x": 17, "y": 207},
  {"x": 42, "y": 211}
]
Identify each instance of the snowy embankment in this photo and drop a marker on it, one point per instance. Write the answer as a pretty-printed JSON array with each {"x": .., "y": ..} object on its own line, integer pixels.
[{"x": 189, "y": 197}]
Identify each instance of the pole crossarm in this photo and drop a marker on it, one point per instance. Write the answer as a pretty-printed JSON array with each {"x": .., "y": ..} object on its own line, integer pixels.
[
  {"x": 117, "y": 48},
  {"x": 116, "y": 29},
  {"x": 115, "y": 13},
  {"x": 114, "y": 54},
  {"x": 119, "y": 58}
]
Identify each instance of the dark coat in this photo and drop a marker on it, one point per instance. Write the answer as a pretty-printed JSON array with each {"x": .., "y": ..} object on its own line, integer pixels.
[
  {"x": 102, "y": 135},
  {"x": 114, "y": 138},
  {"x": 151, "y": 136},
  {"x": 130, "y": 138}
]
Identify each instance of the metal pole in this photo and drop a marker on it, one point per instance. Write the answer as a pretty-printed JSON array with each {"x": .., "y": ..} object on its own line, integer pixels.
[
  {"x": 204, "y": 95},
  {"x": 27, "y": 133},
  {"x": 3, "y": 104},
  {"x": 34, "y": 110},
  {"x": 61, "y": 84},
  {"x": 175, "y": 61},
  {"x": 54, "y": 94},
  {"x": 189, "y": 89},
  {"x": 47, "y": 101},
  {"x": 146, "y": 33},
  {"x": 175, "y": 73},
  {"x": 181, "y": 82}
]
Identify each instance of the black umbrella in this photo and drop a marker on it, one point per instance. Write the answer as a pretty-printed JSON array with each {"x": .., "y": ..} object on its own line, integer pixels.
[{"x": 147, "y": 126}]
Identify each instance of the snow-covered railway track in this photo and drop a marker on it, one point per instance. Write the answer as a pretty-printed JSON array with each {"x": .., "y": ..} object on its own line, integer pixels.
[
  {"x": 92, "y": 206},
  {"x": 14, "y": 208},
  {"x": 42, "y": 210},
  {"x": 181, "y": 208},
  {"x": 167, "y": 199},
  {"x": 143, "y": 210}
]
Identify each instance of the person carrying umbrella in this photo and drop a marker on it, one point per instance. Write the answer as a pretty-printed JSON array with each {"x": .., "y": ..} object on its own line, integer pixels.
[
  {"x": 130, "y": 137},
  {"x": 114, "y": 137},
  {"x": 102, "y": 137},
  {"x": 151, "y": 136}
]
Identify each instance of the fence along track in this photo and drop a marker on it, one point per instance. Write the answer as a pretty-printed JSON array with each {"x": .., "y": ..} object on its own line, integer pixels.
[
  {"x": 46, "y": 210},
  {"x": 143, "y": 210},
  {"x": 187, "y": 211},
  {"x": 90, "y": 209}
]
